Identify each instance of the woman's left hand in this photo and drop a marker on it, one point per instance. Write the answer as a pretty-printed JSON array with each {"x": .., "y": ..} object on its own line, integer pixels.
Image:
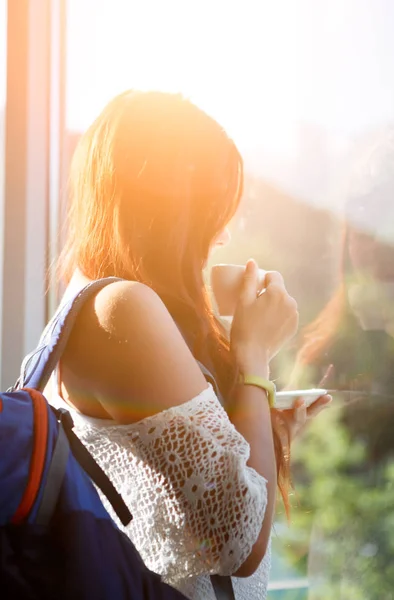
[{"x": 297, "y": 417}]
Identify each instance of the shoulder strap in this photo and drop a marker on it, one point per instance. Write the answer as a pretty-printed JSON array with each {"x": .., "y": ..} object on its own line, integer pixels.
[
  {"x": 38, "y": 366},
  {"x": 67, "y": 440},
  {"x": 54, "y": 480}
]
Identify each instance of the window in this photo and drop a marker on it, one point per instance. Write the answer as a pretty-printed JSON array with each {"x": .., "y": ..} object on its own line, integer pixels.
[
  {"x": 24, "y": 180},
  {"x": 3, "y": 83},
  {"x": 306, "y": 88},
  {"x": 3, "y": 80}
]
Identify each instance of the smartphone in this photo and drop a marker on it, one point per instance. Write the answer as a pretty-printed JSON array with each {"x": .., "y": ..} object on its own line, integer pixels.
[{"x": 286, "y": 399}]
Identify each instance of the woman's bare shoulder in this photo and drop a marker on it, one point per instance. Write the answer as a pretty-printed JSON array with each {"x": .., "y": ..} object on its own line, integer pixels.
[
  {"x": 126, "y": 346},
  {"x": 124, "y": 305}
]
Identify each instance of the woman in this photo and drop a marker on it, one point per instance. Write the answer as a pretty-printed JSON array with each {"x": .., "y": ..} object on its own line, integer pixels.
[
  {"x": 154, "y": 183},
  {"x": 354, "y": 337}
]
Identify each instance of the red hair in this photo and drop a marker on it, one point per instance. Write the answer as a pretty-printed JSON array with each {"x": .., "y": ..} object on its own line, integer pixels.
[{"x": 154, "y": 180}]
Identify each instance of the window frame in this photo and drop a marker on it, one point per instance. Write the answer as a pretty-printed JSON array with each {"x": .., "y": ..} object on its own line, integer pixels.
[{"x": 34, "y": 100}]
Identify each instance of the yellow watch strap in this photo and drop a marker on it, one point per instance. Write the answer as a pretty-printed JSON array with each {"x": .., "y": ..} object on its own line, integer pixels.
[{"x": 265, "y": 384}]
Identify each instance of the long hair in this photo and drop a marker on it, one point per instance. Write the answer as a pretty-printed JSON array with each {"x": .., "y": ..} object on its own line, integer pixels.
[{"x": 153, "y": 181}]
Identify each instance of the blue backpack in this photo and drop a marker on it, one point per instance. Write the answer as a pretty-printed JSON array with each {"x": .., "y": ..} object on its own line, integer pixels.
[{"x": 56, "y": 539}]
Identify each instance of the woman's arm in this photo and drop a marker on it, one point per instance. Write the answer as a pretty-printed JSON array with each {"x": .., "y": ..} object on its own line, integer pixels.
[{"x": 251, "y": 417}]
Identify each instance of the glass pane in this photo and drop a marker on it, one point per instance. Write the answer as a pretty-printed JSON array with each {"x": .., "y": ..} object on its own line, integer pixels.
[
  {"x": 3, "y": 83},
  {"x": 306, "y": 88},
  {"x": 3, "y": 87}
]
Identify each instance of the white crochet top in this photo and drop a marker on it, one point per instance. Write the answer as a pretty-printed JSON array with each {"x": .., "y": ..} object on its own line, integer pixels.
[{"x": 197, "y": 507}]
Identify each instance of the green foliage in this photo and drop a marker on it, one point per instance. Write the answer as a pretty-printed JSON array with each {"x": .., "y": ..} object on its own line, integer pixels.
[{"x": 342, "y": 530}]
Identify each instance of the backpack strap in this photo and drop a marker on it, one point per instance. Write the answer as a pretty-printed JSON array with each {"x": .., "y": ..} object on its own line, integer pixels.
[
  {"x": 38, "y": 366},
  {"x": 67, "y": 440},
  {"x": 54, "y": 479}
]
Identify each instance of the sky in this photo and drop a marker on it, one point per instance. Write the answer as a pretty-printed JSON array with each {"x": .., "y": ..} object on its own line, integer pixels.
[
  {"x": 278, "y": 75},
  {"x": 260, "y": 67},
  {"x": 3, "y": 50}
]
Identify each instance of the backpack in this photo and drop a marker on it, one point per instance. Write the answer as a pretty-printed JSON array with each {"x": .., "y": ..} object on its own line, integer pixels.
[{"x": 57, "y": 541}]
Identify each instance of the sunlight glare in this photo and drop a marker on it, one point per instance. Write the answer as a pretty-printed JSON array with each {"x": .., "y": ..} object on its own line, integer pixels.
[{"x": 229, "y": 62}]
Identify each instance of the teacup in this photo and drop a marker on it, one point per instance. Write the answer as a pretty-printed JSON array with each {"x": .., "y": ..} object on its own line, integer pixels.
[{"x": 226, "y": 282}]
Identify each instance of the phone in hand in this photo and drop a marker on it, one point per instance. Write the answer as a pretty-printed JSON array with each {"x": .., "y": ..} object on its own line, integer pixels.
[{"x": 286, "y": 399}]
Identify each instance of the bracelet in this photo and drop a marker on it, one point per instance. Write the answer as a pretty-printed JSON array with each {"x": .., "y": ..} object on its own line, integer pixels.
[{"x": 264, "y": 384}]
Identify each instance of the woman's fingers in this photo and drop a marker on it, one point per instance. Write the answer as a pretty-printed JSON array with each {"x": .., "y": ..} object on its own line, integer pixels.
[
  {"x": 319, "y": 405},
  {"x": 300, "y": 412},
  {"x": 274, "y": 278},
  {"x": 263, "y": 322},
  {"x": 250, "y": 283}
]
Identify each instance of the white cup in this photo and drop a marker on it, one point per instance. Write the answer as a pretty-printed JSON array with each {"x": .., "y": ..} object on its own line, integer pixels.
[{"x": 226, "y": 282}]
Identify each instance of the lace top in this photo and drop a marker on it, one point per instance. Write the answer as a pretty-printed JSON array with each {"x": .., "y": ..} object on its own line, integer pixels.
[{"x": 197, "y": 507}]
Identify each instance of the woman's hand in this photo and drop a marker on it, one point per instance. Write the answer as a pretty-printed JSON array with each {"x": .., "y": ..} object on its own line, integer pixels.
[
  {"x": 297, "y": 417},
  {"x": 263, "y": 322}
]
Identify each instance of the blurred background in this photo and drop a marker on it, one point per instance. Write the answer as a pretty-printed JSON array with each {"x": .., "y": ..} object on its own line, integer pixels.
[{"x": 306, "y": 89}]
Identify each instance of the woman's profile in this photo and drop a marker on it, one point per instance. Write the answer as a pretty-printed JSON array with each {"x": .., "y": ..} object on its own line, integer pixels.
[{"x": 154, "y": 183}]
